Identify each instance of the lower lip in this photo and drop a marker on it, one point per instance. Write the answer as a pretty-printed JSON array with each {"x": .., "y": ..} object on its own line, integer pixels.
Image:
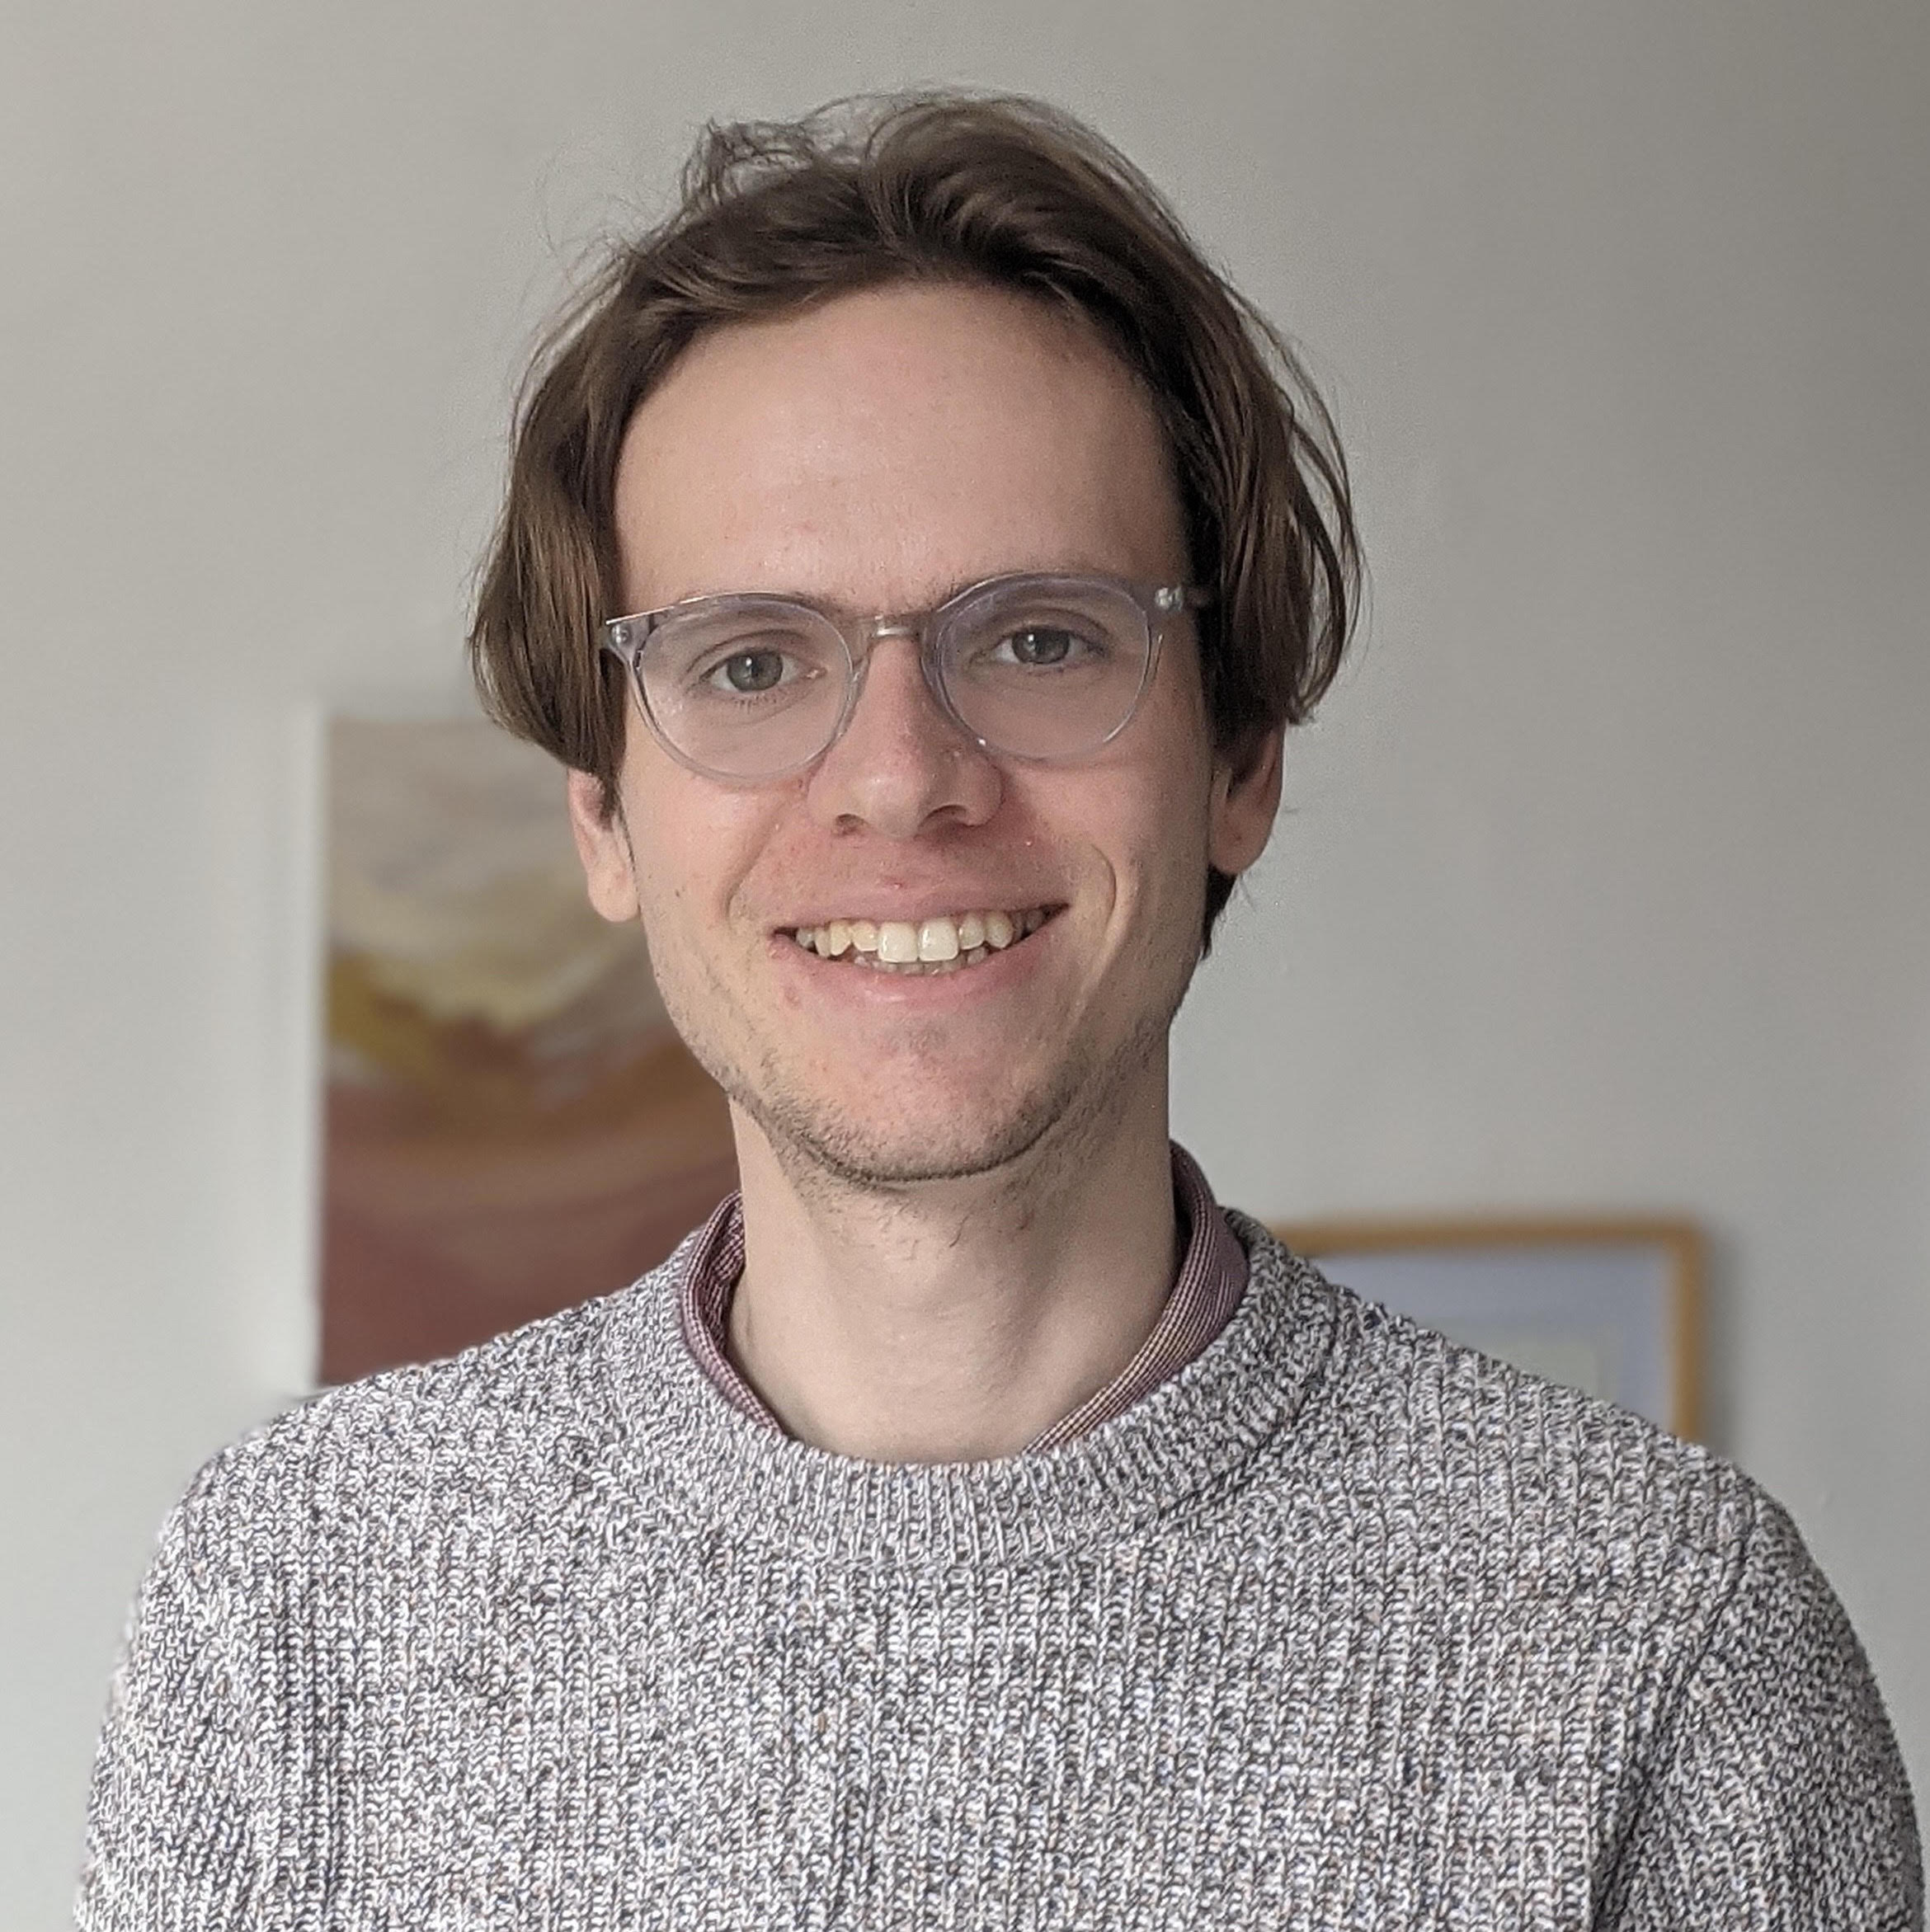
[{"x": 879, "y": 986}]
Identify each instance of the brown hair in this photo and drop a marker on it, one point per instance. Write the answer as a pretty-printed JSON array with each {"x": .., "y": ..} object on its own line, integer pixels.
[{"x": 1007, "y": 191}]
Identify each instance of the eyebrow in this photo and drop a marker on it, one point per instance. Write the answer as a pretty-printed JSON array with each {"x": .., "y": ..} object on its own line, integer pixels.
[{"x": 837, "y": 608}]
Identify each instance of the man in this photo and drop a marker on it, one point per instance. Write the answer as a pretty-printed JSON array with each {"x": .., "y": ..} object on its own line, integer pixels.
[{"x": 914, "y": 554}]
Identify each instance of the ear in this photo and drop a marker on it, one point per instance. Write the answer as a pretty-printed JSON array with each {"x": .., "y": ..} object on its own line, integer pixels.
[
  {"x": 1246, "y": 796},
  {"x": 604, "y": 846}
]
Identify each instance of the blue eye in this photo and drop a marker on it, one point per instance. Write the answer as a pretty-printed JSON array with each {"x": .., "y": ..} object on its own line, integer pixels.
[
  {"x": 1040, "y": 644},
  {"x": 751, "y": 671},
  {"x": 1046, "y": 648},
  {"x": 752, "y": 667}
]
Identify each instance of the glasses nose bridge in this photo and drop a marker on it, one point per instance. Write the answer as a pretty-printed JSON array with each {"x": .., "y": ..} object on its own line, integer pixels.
[{"x": 864, "y": 635}]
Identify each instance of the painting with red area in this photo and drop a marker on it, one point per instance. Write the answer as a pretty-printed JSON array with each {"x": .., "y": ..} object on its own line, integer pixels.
[{"x": 510, "y": 1124}]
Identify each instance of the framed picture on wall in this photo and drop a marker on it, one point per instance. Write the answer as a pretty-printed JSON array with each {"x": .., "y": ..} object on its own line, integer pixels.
[
  {"x": 1611, "y": 1306},
  {"x": 510, "y": 1124}
]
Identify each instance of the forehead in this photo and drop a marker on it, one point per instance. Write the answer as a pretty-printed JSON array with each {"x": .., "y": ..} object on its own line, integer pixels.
[{"x": 882, "y": 447}]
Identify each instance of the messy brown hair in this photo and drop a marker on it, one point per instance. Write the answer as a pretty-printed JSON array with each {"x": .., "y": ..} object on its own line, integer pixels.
[{"x": 773, "y": 217}]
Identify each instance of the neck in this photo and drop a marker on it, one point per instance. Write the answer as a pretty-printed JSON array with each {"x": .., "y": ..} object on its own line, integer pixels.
[{"x": 952, "y": 1321}]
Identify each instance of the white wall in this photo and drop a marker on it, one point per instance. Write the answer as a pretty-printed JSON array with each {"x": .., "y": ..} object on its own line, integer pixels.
[{"x": 1604, "y": 881}]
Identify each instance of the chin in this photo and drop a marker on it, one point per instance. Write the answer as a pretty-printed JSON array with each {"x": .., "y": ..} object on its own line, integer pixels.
[
  {"x": 1061, "y": 1119},
  {"x": 877, "y": 1155},
  {"x": 1060, "y": 1113},
  {"x": 859, "y": 1148}
]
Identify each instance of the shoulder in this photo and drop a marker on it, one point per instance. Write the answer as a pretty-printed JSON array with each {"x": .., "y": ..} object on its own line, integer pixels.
[
  {"x": 1779, "y": 1732},
  {"x": 1469, "y": 1456},
  {"x": 330, "y": 1536},
  {"x": 502, "y": 1425},
  {"x": 1648, "y": 1583}
]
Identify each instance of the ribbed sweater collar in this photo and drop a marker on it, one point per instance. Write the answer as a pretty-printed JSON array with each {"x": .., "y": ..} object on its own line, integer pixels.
[{"x": 720, "y": 1472}]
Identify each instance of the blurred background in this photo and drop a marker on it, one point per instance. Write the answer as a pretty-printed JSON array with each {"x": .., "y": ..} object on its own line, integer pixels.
[{"x": 1604, "y": 882}]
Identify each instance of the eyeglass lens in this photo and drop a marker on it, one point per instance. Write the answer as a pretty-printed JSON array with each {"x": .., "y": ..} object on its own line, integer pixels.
[{"x": 750, "y": 686}]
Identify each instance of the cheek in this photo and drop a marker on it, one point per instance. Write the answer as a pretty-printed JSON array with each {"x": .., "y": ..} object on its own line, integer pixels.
[
  {"x": 694, "y": 841},
  {"x": 1163, "y": 815},
  {"x": 1142, "y": 845},
  {"x": 1178, "y": 845}
]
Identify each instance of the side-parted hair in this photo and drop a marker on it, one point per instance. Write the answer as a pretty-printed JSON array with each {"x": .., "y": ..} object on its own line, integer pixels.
[{"x": 1005, "y": 191}]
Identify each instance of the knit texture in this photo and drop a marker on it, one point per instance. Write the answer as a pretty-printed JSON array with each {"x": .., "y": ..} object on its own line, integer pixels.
[{"x": 1341, "y": 1626}]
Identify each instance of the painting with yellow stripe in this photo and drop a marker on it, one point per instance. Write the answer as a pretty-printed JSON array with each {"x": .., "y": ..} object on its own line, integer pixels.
[{"x": 511, "y": 1124}]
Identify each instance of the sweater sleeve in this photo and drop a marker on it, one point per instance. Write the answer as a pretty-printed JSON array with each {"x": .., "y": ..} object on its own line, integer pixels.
[
  {"x": 173, "y": 1834},
  {"x": 1778, "y": 1800}
]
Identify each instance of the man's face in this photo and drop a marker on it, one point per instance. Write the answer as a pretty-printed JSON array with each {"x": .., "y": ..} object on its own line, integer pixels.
[{"x": 875, "y": 455}]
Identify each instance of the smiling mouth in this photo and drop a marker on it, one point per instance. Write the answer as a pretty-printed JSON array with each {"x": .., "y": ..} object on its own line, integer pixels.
[{"x": 943, "y": 944}]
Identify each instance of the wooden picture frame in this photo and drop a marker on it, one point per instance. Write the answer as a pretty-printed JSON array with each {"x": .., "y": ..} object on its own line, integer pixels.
[{"x": 1612, "y": 1305}]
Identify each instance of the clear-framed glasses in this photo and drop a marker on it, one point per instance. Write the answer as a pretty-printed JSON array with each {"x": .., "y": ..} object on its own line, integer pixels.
[{"x": 749, "y": 688}]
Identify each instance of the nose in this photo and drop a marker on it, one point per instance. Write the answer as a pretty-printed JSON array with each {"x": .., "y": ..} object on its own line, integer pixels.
[{"x": 902, "y": 766}]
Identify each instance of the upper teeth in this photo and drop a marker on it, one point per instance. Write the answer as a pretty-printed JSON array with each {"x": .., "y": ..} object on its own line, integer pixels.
[{"x": 933, "y": 941}]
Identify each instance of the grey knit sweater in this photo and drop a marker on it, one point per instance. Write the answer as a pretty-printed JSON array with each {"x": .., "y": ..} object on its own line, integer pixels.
[{"x": 1344, "y": 1626}]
